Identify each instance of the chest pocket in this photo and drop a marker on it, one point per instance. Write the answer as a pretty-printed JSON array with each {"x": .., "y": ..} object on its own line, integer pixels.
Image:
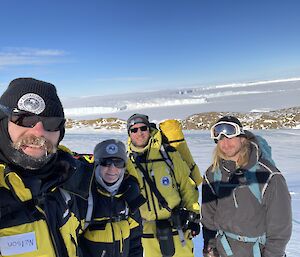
[{"x": 162, "y": 176}]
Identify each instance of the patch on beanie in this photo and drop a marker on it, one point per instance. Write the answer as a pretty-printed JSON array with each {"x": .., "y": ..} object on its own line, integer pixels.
[
  {"x": 111, "y": 149},
  {"x": 32, "y": 103}
]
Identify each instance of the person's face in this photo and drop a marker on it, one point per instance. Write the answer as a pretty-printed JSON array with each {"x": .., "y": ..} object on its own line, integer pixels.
[
  {"x": 231, "y": 147},
  {"x": 110, "y": 173},
  {"x": 139, "y": 138},
  {"x": 36, "y": 141}
]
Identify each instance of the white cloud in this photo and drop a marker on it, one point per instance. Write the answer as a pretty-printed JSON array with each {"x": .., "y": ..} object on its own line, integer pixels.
[{"x": 15, "y": 56}]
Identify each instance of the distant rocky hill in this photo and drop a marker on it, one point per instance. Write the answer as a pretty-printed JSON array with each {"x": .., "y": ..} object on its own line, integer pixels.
[
  {"x": 101, "y": 123},
  {"x": 283, "y": 118}
]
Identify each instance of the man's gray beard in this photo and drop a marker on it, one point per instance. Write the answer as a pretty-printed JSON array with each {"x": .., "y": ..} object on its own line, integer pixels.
[{"x": 27, "y": 162}]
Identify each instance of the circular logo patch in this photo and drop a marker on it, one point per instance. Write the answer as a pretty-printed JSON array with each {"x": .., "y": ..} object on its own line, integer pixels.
[
  {"x": 165, "y": 181},
  {"x": 111, "y": 149},
  {"x": 31, "y": 103}
]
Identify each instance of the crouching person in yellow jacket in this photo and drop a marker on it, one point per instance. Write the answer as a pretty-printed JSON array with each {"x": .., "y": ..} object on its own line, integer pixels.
[
  {"x": 115, "y": 228},
  {"x": 171, "y": 213}
]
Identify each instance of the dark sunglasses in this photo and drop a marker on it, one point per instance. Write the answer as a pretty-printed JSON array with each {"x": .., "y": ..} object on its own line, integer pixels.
[
  {"x": 118, "y": 163},
  {"x": 29, "y": 120},
  {"x": 142, "y": 128}
]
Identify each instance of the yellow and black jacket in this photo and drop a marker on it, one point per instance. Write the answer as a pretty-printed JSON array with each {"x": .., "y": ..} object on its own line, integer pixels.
[
  {"x": 172, "y": 180},
  {"x": 115, "y": 229},
  {"x": 40, "y": 217}
]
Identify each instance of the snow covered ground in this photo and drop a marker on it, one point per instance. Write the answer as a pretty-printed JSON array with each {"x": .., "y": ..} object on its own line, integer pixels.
[{"x": 285, "y": 148}]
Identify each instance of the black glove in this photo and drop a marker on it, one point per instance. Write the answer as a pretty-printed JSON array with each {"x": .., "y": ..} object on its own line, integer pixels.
[
  {"x": 194, "y": 227},
  {"x": 210, "y": 252}
]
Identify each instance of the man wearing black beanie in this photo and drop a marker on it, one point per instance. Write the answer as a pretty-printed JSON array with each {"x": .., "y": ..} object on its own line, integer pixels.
[
  {"x": 172, "y": 212},
  {"x": 39, "y": 215}
]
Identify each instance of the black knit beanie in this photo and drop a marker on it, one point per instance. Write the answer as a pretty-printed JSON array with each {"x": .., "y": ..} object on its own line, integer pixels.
[
  {"x": 232, "y": 119},
  {"x": 35, "y": 96},
  {"x": 136, "y": 119}
]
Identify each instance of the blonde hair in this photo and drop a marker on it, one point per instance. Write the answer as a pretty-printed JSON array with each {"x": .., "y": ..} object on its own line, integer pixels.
[{"x": 243, "y": 160}]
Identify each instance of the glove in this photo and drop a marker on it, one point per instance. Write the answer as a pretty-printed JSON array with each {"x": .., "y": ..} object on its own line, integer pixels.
[
  {"x": 194, "y": 227},
  {"x": 210, "y": 252}
]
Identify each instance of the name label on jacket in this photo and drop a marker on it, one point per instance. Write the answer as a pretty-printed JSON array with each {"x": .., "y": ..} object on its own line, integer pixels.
[{"x": 17, "y": 244}]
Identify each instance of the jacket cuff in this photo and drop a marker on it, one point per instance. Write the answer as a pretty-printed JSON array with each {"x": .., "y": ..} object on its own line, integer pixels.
[{"x": 136, "y": 203}]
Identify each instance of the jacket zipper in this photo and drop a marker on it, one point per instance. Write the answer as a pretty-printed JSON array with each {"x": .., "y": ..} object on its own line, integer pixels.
[
  {"x": 51, "y": 234},
  {"x": 112, "y": 227}
]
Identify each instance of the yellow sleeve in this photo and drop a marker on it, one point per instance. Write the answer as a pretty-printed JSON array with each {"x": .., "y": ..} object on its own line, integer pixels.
[{"x": 187, "y": 186}]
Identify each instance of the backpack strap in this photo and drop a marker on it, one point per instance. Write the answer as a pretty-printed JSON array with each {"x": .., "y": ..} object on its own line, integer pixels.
[
  {"x": 256, "y": 240},
  {"x": 152, "y": 185},
  {"x": 163, "y": 151},
  {"x": 167, "y": 159},
  {"x": 89, "y": 211},
  {"x": 176, "y": 141}
]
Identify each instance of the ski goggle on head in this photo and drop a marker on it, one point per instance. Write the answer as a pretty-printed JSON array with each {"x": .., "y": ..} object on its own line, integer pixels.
[
  {"x": 29, "y": 120},
  {"x": 227, "y": 129}
]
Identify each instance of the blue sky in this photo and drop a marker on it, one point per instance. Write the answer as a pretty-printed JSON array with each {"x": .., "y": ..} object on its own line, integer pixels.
[{"x": 107, "y": 47}]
